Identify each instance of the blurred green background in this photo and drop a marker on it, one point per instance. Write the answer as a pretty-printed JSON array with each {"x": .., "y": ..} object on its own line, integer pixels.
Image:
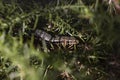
[{"x": 95, "y": 23}]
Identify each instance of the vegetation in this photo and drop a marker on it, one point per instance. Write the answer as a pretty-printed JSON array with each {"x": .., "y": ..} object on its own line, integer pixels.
[{"x": 95, "y": 23}]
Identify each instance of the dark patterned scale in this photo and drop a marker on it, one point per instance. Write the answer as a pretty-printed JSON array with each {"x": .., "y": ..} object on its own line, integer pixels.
[{"x": 64, "y": 40}]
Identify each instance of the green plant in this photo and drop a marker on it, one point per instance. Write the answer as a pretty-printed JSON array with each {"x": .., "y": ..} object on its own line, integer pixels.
[{"x": 25, "y": 57}]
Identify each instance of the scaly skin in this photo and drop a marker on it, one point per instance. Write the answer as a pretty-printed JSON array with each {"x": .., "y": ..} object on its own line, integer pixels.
[{"x": 64, "y": 40}]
